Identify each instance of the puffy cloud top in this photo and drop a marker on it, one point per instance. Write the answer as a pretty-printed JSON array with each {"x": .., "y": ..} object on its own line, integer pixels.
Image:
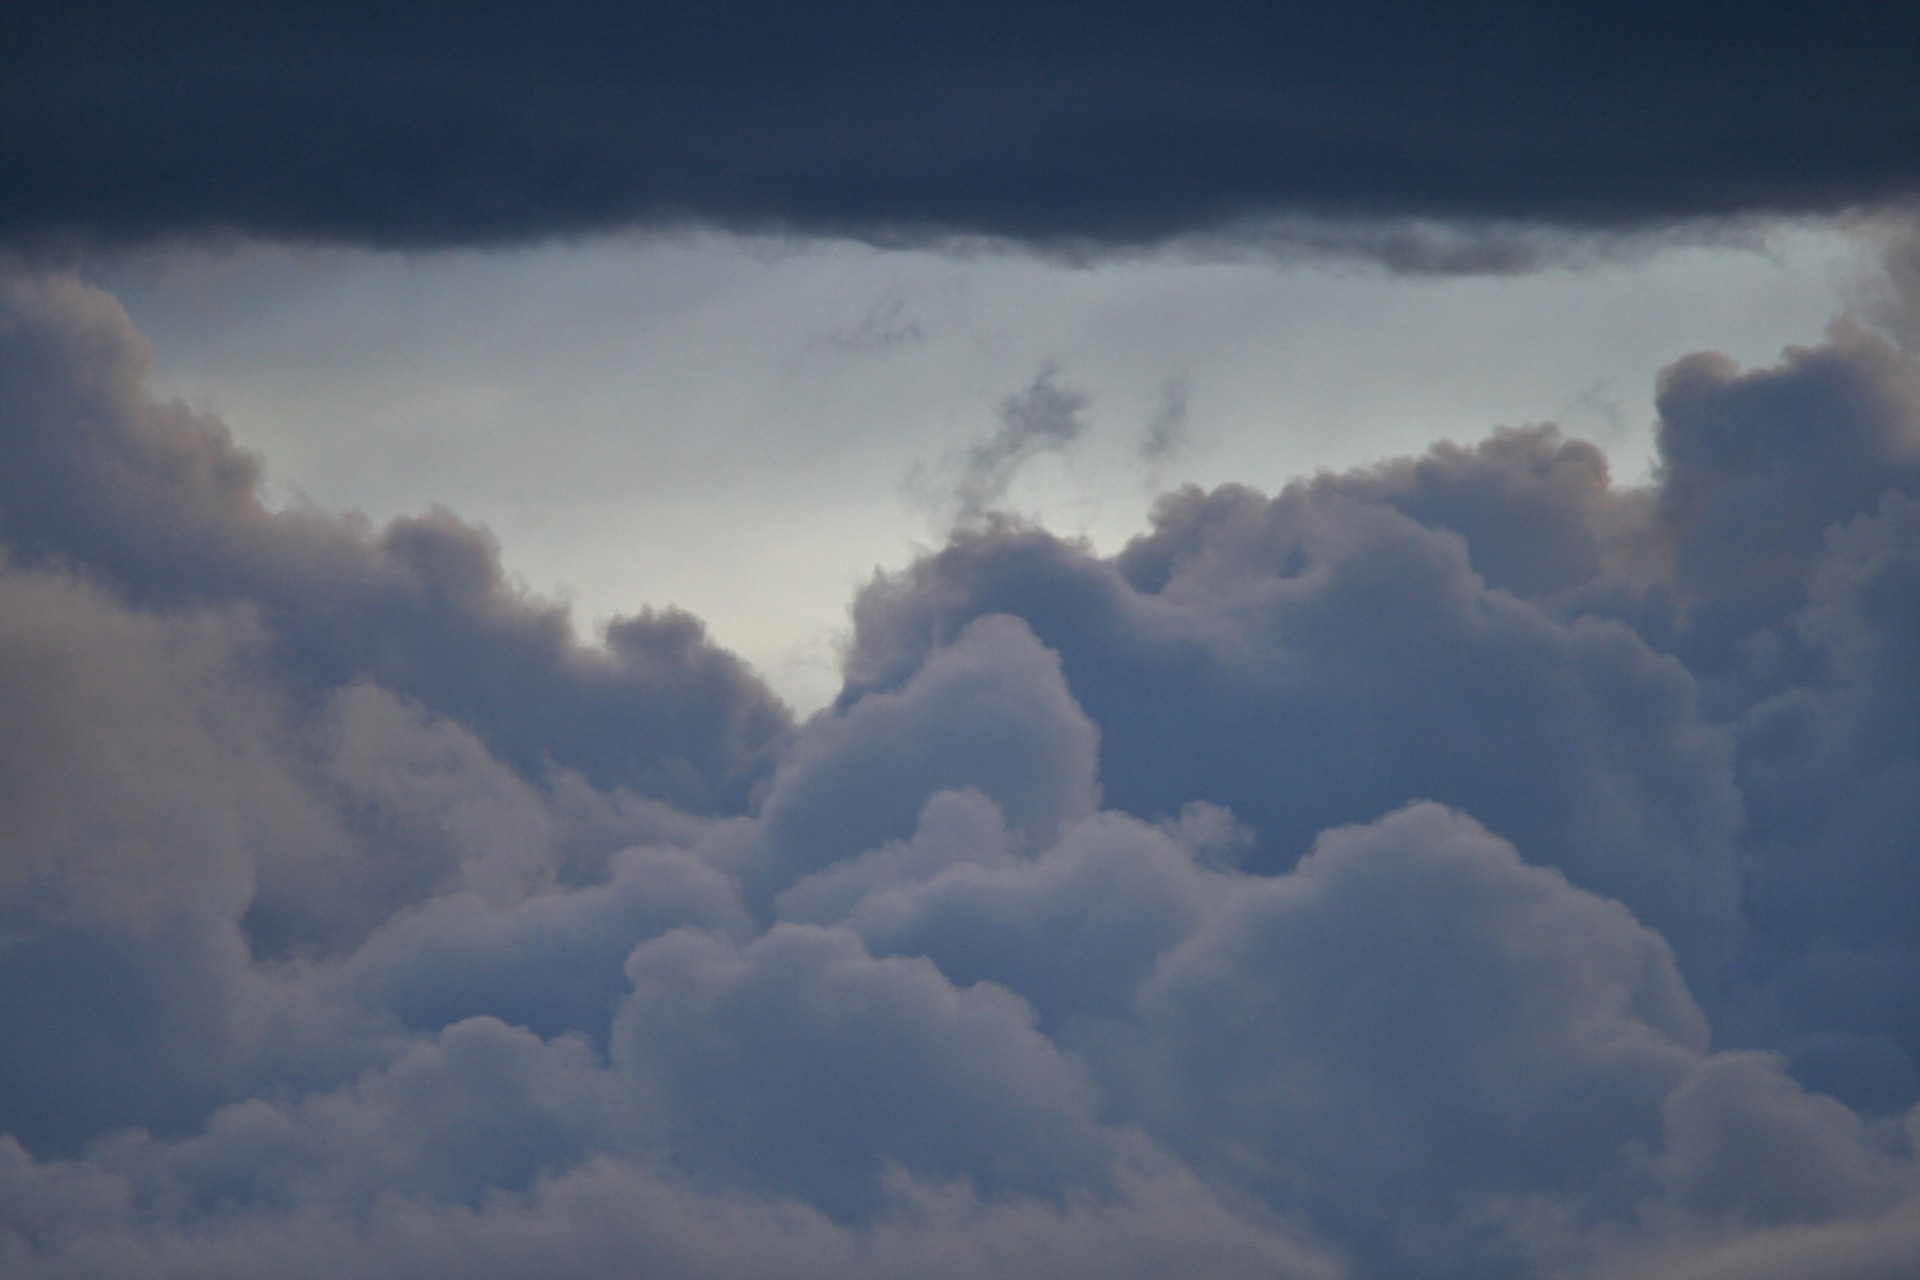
[{"x": 1460, "y": 867}]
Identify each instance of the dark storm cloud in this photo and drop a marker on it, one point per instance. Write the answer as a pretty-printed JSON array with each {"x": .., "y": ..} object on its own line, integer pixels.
[
  {"x": 1061, "y": 124},
  {"x": 1461, "y": 867}
]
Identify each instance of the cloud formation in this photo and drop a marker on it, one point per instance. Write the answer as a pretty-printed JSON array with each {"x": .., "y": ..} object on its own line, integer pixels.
[
  {"x": 158, "y": 500},
  {"x": 1069, "y": 125},
  {"x": 1465, "y": 866},
  {"x": 1043, "y": 417}
]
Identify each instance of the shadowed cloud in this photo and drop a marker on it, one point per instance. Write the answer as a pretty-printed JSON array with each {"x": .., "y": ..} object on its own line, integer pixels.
[
  {"x": 1074, "y": 126},
  {"x": 1465, "y": 866}
]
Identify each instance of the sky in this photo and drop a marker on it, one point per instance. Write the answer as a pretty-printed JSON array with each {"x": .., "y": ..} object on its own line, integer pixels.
[
  {"x": 603, "y": 404},
  {"x": 1054, "y": 640}
]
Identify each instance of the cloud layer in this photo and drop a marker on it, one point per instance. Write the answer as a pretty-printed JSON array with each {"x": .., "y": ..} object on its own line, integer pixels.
[
  {"x": 1063, "y": 124},
  {"x": 1461, "y": 867}
]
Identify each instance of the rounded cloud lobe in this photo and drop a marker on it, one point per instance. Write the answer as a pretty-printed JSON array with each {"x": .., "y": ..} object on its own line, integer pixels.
[{"x": 1460, "y": 867}]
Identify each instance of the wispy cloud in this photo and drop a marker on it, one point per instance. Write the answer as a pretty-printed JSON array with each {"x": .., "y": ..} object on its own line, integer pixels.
[
  {"x": 1044, "y": 417},
  {"x": 1165, "y": 436}
]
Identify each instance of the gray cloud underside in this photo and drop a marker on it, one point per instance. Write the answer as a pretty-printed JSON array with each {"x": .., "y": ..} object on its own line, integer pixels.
[
  {"x": 1461, "y": 867},
  {"x": 1074, "y": 126}
]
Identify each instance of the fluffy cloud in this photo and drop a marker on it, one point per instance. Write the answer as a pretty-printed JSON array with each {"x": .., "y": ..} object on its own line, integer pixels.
[
  {"x": 989, "y": 711},
  {"x": 157, "y": 500},
  {"x": 1318, "y": 659},
  {"x": 1461, "y": 867}
]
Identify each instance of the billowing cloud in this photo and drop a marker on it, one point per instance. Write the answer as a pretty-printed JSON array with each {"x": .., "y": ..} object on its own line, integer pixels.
[
  {"x": 158, "y": 501},
  {"x": 1065, "y": 124},
  {"x": 1322, "y": 657},
  {"x": 1466, "y": 866}
]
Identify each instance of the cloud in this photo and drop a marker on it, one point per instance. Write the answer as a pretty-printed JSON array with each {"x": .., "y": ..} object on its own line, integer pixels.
[
  {"x": 157, "y": 500},
  {"x": 1758, "y": 466},
  {"x": 1165, "y": 437},
  {"x": 1411, "y": 1026},
  {"x": 1460, "y": 866},
  {"x": 1317, "y": 659},
  {"x": 804, "y": 1065},
  {"x": 889, "y": 323},
  {"x": 1074, "y": 931},
  {"x": 596, "y": 1221},
  {"x": 1063, "y": 125},
  {"x": 1044, "y": 417}
]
